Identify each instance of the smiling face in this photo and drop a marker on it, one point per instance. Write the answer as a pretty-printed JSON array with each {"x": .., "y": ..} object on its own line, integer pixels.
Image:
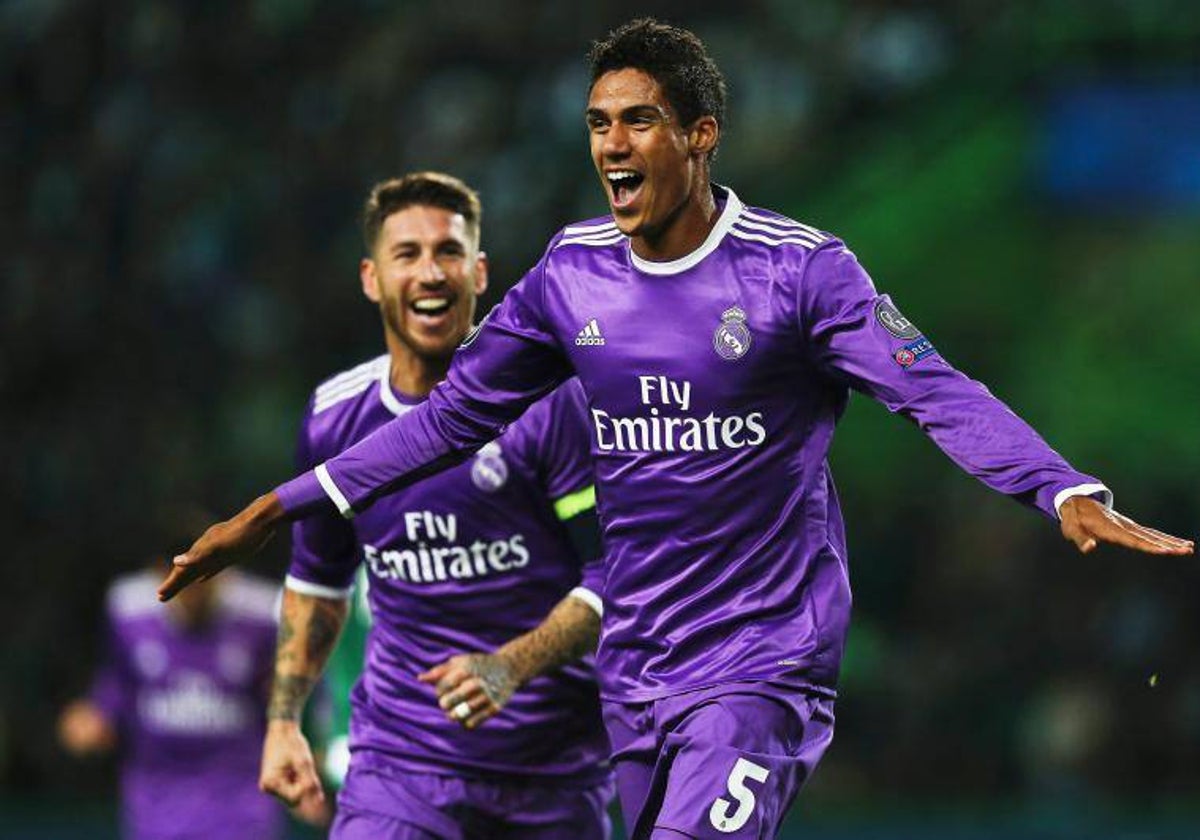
[
  {"x": 425, "y": 272},
  {"x": 650, "y": 165}
]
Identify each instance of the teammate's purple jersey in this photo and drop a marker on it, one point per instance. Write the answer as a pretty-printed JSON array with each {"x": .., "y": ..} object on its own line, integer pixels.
[
  {"x": 714, "y": 383},
  {"x": 462, "y": 562},
  {"x": 189, "y": 709}
]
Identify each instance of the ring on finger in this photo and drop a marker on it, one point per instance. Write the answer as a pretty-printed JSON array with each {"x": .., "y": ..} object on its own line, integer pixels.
[{"x": 462, "y": 711}]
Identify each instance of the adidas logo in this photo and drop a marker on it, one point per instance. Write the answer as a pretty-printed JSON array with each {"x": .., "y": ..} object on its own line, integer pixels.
[{"x": 589, "y": 336}]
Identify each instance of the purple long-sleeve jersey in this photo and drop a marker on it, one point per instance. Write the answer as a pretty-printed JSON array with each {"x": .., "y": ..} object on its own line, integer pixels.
[
  {"x": 463, "y": 562},
  {"x": 714, "y": 383},
  {"x": 189, "y": 705}
]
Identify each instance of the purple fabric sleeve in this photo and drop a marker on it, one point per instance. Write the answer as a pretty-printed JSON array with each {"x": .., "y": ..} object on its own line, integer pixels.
[
  {"x": 302, "y": 495},
  {"x": 510, "y": 362},
  {"x": 593, "y": 575},
  {"x": 323, "y": 546},
  {"x": 563, "y": 438},
  {"x": 855, "y": 337}
]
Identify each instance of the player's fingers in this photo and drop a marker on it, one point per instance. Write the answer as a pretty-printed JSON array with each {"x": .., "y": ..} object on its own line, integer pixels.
[
  {"x": 1112, "y": 523},
  {"x": 310, "y": 785},
  {"x": 281, "y": 788},
  {"x": 469, "y": 690},
  {"x": 1129, "y": 536},
  {"x": 1166, "y": 541},
  {"x": 179, "y": 577},
  {"x": 1180, "y": 542},
  {"x": 479, "y": 717},
  {"x": 434, "y": 674},
  {"x": 1072, "y": 530},
  {"x": 454, "y": 677},
  {"x": 301, "y": 784}
]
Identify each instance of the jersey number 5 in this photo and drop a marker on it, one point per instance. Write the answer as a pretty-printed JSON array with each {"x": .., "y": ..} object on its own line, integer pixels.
[{"x": 719, "y": 814}]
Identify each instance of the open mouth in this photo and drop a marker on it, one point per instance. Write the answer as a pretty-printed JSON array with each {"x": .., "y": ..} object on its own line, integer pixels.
[
  {"x": 431, "y": 307},
  {"x": 624, "y": 184}
]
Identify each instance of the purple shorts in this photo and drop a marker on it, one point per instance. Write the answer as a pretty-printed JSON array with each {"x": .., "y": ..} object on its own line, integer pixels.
[
  {"x": 717, "y": 762},
  {"x": 407, "y": 805}
]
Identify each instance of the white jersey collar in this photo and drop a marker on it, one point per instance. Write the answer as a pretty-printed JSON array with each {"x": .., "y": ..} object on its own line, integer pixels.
[
  {"x": 386, "y": 395},
  {"x": 729, "y": 214}
]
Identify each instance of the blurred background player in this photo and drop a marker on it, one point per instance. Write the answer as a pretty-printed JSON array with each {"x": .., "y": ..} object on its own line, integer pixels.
[
  {"x": 179, "y": 694},
  {"x": 466, "y": 561},
  {"x": 717, "y": 344}
]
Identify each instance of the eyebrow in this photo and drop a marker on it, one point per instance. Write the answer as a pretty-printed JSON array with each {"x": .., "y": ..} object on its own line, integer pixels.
[
  {"x": 631, "y": 111},
  {"x": 447, "y": 242}
]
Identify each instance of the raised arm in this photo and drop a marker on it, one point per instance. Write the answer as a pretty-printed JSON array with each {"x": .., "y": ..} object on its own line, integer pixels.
[
  {"x": 309, "y": 627},
  {"x": 858, "y": 336}
]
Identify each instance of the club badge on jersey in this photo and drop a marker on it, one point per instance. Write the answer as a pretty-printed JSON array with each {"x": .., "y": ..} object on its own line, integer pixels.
[
  {"x": 489, "y": 471},
  {"x": 732, "y": 338}
]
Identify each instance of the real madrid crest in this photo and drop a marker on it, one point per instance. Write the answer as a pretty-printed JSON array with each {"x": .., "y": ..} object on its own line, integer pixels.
[
  {"x": 489, "y": 472},
  {"x": 732, "y": 338}
]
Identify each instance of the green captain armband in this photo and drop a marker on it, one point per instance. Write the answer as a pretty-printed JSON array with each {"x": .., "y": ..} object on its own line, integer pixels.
[{"x": 573, "y": 504}]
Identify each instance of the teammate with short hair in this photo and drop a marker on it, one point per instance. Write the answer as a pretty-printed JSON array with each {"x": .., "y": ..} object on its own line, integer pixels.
[
  {"x": 717, "y": 343},
  {"x": 476, "y": 587},
  {"x": 179, "y": 694}
]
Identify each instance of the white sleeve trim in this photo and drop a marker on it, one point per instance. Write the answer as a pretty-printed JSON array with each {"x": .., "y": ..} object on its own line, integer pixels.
[
  {"x": 588, "y": 597},
  {"x": 332, "y": 491},
  {"x": 316, "y": 590},
  {"x": 1082, "y": 490}
]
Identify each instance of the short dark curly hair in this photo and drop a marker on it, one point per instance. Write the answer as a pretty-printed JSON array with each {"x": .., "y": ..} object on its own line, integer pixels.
[{"x": 675, "y": 57}]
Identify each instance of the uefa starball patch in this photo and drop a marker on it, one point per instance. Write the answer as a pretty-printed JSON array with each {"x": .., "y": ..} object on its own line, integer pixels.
[{"x": 910, "y": 354}]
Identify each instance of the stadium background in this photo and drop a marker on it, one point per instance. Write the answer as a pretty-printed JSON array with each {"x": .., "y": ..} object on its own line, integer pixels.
[{"x": 180, "y": 188}]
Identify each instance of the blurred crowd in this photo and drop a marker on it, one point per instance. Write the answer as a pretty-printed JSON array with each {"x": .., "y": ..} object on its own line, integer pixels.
[{"x": 179, "y": 261}]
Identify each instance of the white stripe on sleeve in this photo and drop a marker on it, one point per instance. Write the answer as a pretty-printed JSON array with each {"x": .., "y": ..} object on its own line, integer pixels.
[
  {"x": 316, "y": 590},
  {"x": 1082, "y": 490},
  {"x": 332, "y": 491},
  {"x": 588, "y": 597}
]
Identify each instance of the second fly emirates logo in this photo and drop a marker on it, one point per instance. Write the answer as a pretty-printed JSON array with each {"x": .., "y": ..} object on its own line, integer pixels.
[
  {"x": 428, "y": 562},
  {"x": 669, "y": 428}
]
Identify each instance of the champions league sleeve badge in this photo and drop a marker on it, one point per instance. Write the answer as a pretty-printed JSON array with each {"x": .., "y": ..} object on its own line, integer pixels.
[{"x": 732, "y": 338}]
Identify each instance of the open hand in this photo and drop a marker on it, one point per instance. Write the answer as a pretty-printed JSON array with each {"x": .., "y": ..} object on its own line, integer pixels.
[
  {"x": 223, "y": 545},
  {"x": 472, "y": 687},
  {"x": 1087, "y": 523}
]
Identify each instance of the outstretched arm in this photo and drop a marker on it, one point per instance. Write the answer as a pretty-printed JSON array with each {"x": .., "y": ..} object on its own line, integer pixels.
[
  {"x": 486, "y": 681},
  {"x": 224, "y": 544},
  {"x": 308, "y": 631},
  {"x": 858, "y": 336},
  {"x": 509, "y": 363}
]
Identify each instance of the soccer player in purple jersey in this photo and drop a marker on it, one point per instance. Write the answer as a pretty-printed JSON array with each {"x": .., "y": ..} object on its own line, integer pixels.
[
  {"x": 477, "y": 558},
  {"x": 716, "y": 343},
  {"x": 179, "y": 694}
]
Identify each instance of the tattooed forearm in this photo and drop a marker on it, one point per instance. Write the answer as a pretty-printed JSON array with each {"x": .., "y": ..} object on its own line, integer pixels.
[
  {"x": 308, "y": 630},
  {"x": 289, "y": 693},
  {"x": 568, "y": 632}
]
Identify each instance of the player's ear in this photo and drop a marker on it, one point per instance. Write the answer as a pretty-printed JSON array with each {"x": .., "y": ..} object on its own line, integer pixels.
[
  {"x": 370, "y": 280},
  {"x": 703, "y": 135},
  {"x": 481, "y": 273}
]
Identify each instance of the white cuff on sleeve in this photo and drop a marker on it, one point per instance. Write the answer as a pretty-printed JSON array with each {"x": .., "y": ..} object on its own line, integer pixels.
[
  {"x": 332, "y": 491},
  {"x": 588, "y": 597},
  {"x": 316, "y": 590},
  {"x": 1082, "y": 490}
]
